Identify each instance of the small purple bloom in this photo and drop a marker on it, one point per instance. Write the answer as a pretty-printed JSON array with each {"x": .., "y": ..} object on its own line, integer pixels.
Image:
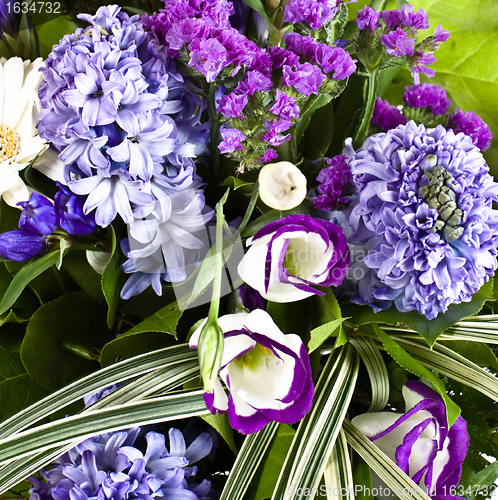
[
  {"x": 314, "y": 12},
  {"x": 267, "y": 373},
  {"x": 420, "y": 66},
  {"x": 285, "y": 106},
  {"x": 398, "y": 44},
  {"x": 231, "y": 105},
  {"x": 333, "y": 181},
  {"x": 427, "y": 95},
  {"x": 419, "y": 441},
  {"x": 208, "y": 56},
  {"x": 21, "y": 244},
  {"x": 416, "y": 20},
  {"x": 270, "y": 155},
  {"x": 335, "y": 59},
  {"x": 386, "y": 116},
  {"x": 232, "y": 140},
  {"x": 368, "y": 18},
  {"x": 290, "y": 255},
  {"x": 392, "y": 18},
  {"x": 70, "y": 214},
  {"x": 472, "y": 125},
  {"x": 251, "y": 299},
  {"x": 280, "y": 56},
  {"x": 305, "y": 78},
  {"x": 440, "y": 35},
  {"x": 38, "y": 215},
  {"x": 256, "y": 81}
]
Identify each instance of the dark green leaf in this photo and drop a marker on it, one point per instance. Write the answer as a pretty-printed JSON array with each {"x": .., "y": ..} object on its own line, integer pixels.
[
  {"x": 476, "y": 352},
  {"x": 319, "y": 133},
  {"x": 61, "y": 336},
  {"x": 110, "y": 280},
  {"x": 265, "y": 480},
  {"x": 17, "y": 389},
  {"x": 165, "y": 321},
  {"x": 322, "y": 333},
  {"x": 413, "y": 366},
  {"x": 51, "y": 31},
  {"x": 430, "y": 330},
  {"x": 312, "y": 104},
  {"x": 485, "y": 477},
  {"x": 362, "y": 476},
  {"x": 24, "y": 276},
  {"x": 220, "y": 423}
]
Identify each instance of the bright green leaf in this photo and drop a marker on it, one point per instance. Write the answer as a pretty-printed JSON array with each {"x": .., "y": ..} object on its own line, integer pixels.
[
  {"x": 480, "y": 354},
  {"x": 322, "y": 333},
  {"x": 220, "y": 423},
  {"x": 165, "y": 320},
  {"x": 110, "y": 280}
]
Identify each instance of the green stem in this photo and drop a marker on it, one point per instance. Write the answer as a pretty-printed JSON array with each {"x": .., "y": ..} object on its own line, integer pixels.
[
  {"x": 250, "y": 207},
  {"x": 372, "y": 83},
  {"x": 214, "y": 126},
  {"x": 218, "y": 266}
]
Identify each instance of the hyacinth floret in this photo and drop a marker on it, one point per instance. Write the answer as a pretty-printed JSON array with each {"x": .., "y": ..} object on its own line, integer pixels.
[
  {"x": 111, "y": 467},
  {"x": 421, "y": 229}
]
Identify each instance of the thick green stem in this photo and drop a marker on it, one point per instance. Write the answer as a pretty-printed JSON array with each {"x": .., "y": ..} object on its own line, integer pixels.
[
  {"x": 214, "y": 126},
  {"x": 250, "y": 207},
  {"x": 372, "y": 83},
  {"x": 218, "y": 266}
]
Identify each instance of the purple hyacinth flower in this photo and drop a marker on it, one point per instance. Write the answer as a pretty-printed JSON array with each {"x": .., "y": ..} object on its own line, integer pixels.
[
  {"x": 70, "y": 214},
  {"x": 427, "y": 95},
  {"x": 333, "y": 181},
  {"x": 419, "y": 441},
  {"x": 258, "y": 355},
  {"x": 422, "y": 230},
  {"x": 386, "y": 116},
  {"x": 232, "y": 140},
  {"x": 38, "y": 215},
  {"x": 21, "y": 244},
  {"x": 368, "y": 18},
  {"x": 287, "y": 257},
  {"x": 472, "y": 125},
  {"x": 398, "y": 44}
]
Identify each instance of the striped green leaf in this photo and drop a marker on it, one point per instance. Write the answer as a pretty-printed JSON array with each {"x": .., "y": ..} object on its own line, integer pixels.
[{"x": 338, "y": 473}]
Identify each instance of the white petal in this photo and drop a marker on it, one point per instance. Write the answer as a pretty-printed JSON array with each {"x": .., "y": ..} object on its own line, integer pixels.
[
  {"x": 17, "y": 193},
  {"x": 48, "y": 163}
]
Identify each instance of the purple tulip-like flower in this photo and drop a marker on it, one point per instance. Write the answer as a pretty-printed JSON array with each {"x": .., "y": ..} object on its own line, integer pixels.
[
  {"x": 472, "y": 125},
  {"x": 267, "y": 373},
  {"x": 419, "y": 441},
  {"x": 333, "y": 182},
  {"x": 21, "y": 244},
  {"x": 38, "y": 215},
  {"x": 422, "y": 230},
  {"x": 289, "y": 256},
  {"x": 427, "y": 95},
  {"x": 386, "y": 116}
]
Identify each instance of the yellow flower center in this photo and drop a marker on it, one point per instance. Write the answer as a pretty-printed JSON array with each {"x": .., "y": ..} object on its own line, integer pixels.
[{"x": 10, "y": 143}]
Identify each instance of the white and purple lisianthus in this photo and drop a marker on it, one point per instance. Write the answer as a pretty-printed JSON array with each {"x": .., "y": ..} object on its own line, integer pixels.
[
  {"x": 267, "y": 373},
  {"x": 289, "y": 256},
  {"x": 421, "y": 227},
  {"x": 419, "y": 441}
]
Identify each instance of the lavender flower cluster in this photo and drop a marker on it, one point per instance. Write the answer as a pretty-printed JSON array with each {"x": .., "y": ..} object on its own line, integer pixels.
[
  {"x": 127, "y": 124},
  {"x": 275, "y": 82},
  {"x": 396, "y": 35},
  {"x": 110, "y": 467}
]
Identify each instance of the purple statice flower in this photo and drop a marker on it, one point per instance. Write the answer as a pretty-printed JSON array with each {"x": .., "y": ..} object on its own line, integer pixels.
[
  {"x": 472, "y": 125},
  {"x": 421, "y": 229},
  {"x": 398, "y": 44},
  {"x": 406, "y": 17},
  {"x": 231, "y": 105},
  {"x": 305, "y": 78},
  {"x": 334, "y": 181},
  {"x": 313, "y": 12},
  {"x": 70, "y": 214},
  {"x": 232, "y": 140},
  {"x": 21, "y": 244},
  {"x": 270, "y": 155},
  {"x": 208, "y": 56},
  {"x": 440, "y": 35},
  {"x": 386, "y": 116},
  {"x": 280, "y": 57},
  {"x": 38, "y": 215},
  {"x": 420, "y": 66},
  {"x": 427, "y": 95},
  {"x": 368, "y": 18},
  {"x": 255, "y": 81},
  {"x": 112, "y": 467},
  {"x": 285, "y": 106},
  {"x": 393, "y": 19}
]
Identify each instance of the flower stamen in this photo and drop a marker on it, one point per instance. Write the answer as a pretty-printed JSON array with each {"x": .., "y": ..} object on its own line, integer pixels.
[{"x": 10, "y": 143}]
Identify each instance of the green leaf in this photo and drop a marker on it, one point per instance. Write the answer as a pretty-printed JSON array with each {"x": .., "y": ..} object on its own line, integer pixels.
[
  {"x": 17, "y": 389},
  {"x": 110, "y": 280},
  {"x": 313, "y": 103},
  {"x": 264, "y": 482},
  {"x": 413, "y": 366},
  {"x": 485, "y": 477},
  {"x": 61, "y": 337},
  {"x": 236, "y": 183},
  {"x": 480, "y": 354},
  {"x": 24, "y": 276},
  {"x": 165, "y": 320},
  {"x": 221, "y": 424},
  {"x": 320, "y": 132},
  {"x": 52, "y": 30},
  {"x": 362, "y": 478},
  {"x": 430, "y": 330},
  {"x": 338, "y": 473},
  {"x": 322, "y": 333},
  {"x": 467, "y": 64}
]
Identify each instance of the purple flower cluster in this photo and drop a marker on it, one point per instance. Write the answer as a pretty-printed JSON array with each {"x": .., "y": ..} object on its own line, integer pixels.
[
  {"x": 472, "y": 125},
  {"x": 427, "y": 95},
  {"x": 127, "y": 124},
  {"x": 421, "y": 229},
  {"x": 39, "y": 219},
  {"x": 334, "y": 181},
  {"x": 386, "y": 116},
  {"x": 313, "y": 12},
  {"x": 110, "y": 467}
]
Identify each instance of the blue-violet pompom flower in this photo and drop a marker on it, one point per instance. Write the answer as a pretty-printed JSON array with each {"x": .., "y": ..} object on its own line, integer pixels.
[
  {"x": 427, "y": 95},
  {"x": 110, "y": 467},
  {"x": 421, "y": 229},
  {"x": 472, "y": 125},
  {"x": 289, "y": 256},
  {"x": 419, "y": 441}
]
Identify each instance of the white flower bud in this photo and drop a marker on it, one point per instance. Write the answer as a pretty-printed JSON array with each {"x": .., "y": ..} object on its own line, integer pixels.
[
  {"x": 282, "y": 185},
  {"x": 98, "y": 260}
]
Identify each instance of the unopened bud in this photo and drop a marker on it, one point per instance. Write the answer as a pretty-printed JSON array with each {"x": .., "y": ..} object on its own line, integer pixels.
[
  {"x": 282, "y": 185},
  {"x": 210, "y": 350}
]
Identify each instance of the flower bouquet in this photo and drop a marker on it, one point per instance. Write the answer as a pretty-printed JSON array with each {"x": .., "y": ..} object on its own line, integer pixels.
[{"x": 248, "y": 250}]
